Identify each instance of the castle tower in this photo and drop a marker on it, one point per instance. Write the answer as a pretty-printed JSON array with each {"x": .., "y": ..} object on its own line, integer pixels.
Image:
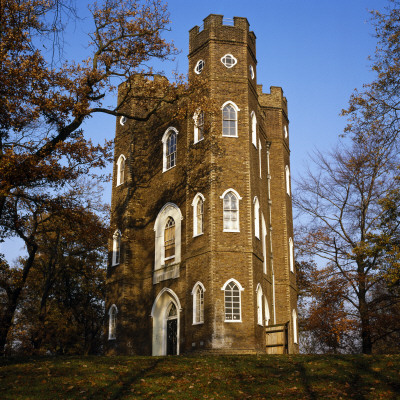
[{"x": 202, "y": 252}]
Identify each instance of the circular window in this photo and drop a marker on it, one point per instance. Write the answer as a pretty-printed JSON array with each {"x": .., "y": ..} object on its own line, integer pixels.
[
  {"x": 251, "y": 72},
  {"x": 228, "y": 60},
  {"x": 122, "y": 120},
  {"x": 199, "y": 66}
]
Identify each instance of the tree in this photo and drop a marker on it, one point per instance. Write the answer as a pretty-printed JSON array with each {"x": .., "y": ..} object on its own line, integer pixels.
[
  {"x": 342, "y": 202},
  {"x": 62, "y": 304},
  {"x": 44, "y": 103}
]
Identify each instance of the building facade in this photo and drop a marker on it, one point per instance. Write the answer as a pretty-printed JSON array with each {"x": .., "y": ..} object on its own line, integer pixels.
[{"x": 202, "y": 253}]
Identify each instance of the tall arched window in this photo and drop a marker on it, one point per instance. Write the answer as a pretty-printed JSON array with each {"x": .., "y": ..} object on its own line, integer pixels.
[
  {"x": 287, "y": 173},
  {"x": 259, "y": 305},
  {"x": 253, "y": 128},
  {"x": 291, "y": 255},
  {"x": 163, "y": 231},
  {"x": 169, "y": 148},
  {"x": 231, "y": 210},
  {"x": 198, "y": 126},
  {"x": 116, "y": 253},
  {"x": 121, "y": 170},
  {"x": 229, "y": 119},
  {"x": 232, "y": 301},
  {"x": 294, "y": 321},
  {"x": 198, "y": 303},
  {"x": 256, "y": 218},
  {"x": 169, "y": 241},
  {"x": 112, "y": 322},
  {"x": 264, "y": 242},
  {"x": 198, "y": 214},
  {"x": 266, "y": 312}
]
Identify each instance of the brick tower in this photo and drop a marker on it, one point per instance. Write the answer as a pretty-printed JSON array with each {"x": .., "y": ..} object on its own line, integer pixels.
[{"x": 202, "y": 253}]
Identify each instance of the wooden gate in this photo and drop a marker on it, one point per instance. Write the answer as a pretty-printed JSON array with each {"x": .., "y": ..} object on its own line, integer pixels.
[{"x": 276, "y": 337}]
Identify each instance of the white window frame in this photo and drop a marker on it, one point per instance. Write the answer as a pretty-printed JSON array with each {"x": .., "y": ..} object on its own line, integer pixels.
[
  {"x": 237, "y": 229},
  {"x": 173, "y": 211},
  {"x": 285, "y": 131},
  {"x": 195, "y": 201},
  {"x": 240, "y": 299},
  {"x": 112, "y": 322},
  {"x": 291, "y": 255},
  {"x": 259, "y": 294},
  {"x": 164, "y": 140},
  {"x": 199, "y": 66},
  {"x": 237, "y": 109},
  {"x": 256, "y": 217},
  {"x": 264, "y": 242},
  {"x": 259, "y": 157},
  {"x": 267, "y": 314},
  {"x": 252, "y": 73},
  {"x": 122, "y": 120},
  {"x": 294, "y": 322},
  {"x": 121, "y": 171},
  {"x": 253, "y": 120},
  {"x": 223, "y": 60},
  {"x": 198, "y": 128},
  {"x": 287, "y": 179},
  {"x": 116, "y": 251},
  {"x": 196, "y": 287}
]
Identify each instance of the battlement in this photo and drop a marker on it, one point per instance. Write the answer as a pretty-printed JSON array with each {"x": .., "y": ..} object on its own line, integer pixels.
[
  {"x": 216, "y": 27},
  {"x": 274, "y": 99}
]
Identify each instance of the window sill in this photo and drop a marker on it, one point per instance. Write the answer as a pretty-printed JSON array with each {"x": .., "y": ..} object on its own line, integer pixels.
[
  {"x": 257, "y": 237},
  {"x": 112, "y": 338},
  {"x": 254, "y": 145},
  {"x": 197, "y": 141},
  {"x": 167, "y": 169},
  {"x": 169, "y": 271},
  {"x": 198, "y": 323},
  {"x": 230, "y": 136},
  {"x": 198, "y": 234},
  {"x": 259, "y": 324},
  {"x": 230, "y": 320},
  {"x": 231, "y": 230},
  {"x": 114, "y": 265}
]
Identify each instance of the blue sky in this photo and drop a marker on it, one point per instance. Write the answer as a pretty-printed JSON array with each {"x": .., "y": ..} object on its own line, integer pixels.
[{"x": 316, "y": 50}]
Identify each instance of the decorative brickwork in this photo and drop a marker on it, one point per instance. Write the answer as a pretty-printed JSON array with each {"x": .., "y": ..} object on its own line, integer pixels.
[{"x": 193, "y": 225}]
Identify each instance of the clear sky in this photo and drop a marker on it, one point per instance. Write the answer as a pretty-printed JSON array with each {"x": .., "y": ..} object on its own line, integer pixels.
[{"x": 316, "y": 50}]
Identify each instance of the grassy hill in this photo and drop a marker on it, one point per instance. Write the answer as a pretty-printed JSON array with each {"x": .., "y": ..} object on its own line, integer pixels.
[{"x": 202, "y": 377}]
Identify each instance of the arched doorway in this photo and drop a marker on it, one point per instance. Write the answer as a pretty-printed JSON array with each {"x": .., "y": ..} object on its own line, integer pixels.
[
  {"x": 166, "y": 323},
  {"x": 172, "y": 330}
]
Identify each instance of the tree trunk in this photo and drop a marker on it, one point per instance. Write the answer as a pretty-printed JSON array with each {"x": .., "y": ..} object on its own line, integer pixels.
[
  {"x": 366, "y": 340},
  {"x": 7, "y": 319}
]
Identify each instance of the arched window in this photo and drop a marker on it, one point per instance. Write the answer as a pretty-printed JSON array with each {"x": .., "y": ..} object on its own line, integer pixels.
[
  {"x": 121, "y": 170},
  {"x": 259, "y": 157},
  {"x": 266, "y": 312},
  {"x": 285, "y": 130},
  {"x": 256, "y": 218},
  {"x": 291, "y": 255},
  {"x": 229, "y": 119},
  {"x": 169, "y": 241},
  {"x": 198, "y": 303},
  {"x": 232, "y": 301},
  {"x": 287, "y": 174},
  {"x": 198, "y": 214},
  {"x": 259, "y": 305},
  {"x": 198, "y": 118},
  {"x": 112, "y": 322},
  {"x": 264, "y": 242},
  {"x": 253, "y": 128},
  {"x": 231, "y": 210},
  {"x": 167, "y": 229},
  {"x": 169, "y": 148},
  {"x": 294, "y": 321},
  {"x": 116, "y": 253}
]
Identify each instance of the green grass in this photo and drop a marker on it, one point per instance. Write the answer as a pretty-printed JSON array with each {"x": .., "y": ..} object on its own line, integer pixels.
[{"x": 201, "y": 377}]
